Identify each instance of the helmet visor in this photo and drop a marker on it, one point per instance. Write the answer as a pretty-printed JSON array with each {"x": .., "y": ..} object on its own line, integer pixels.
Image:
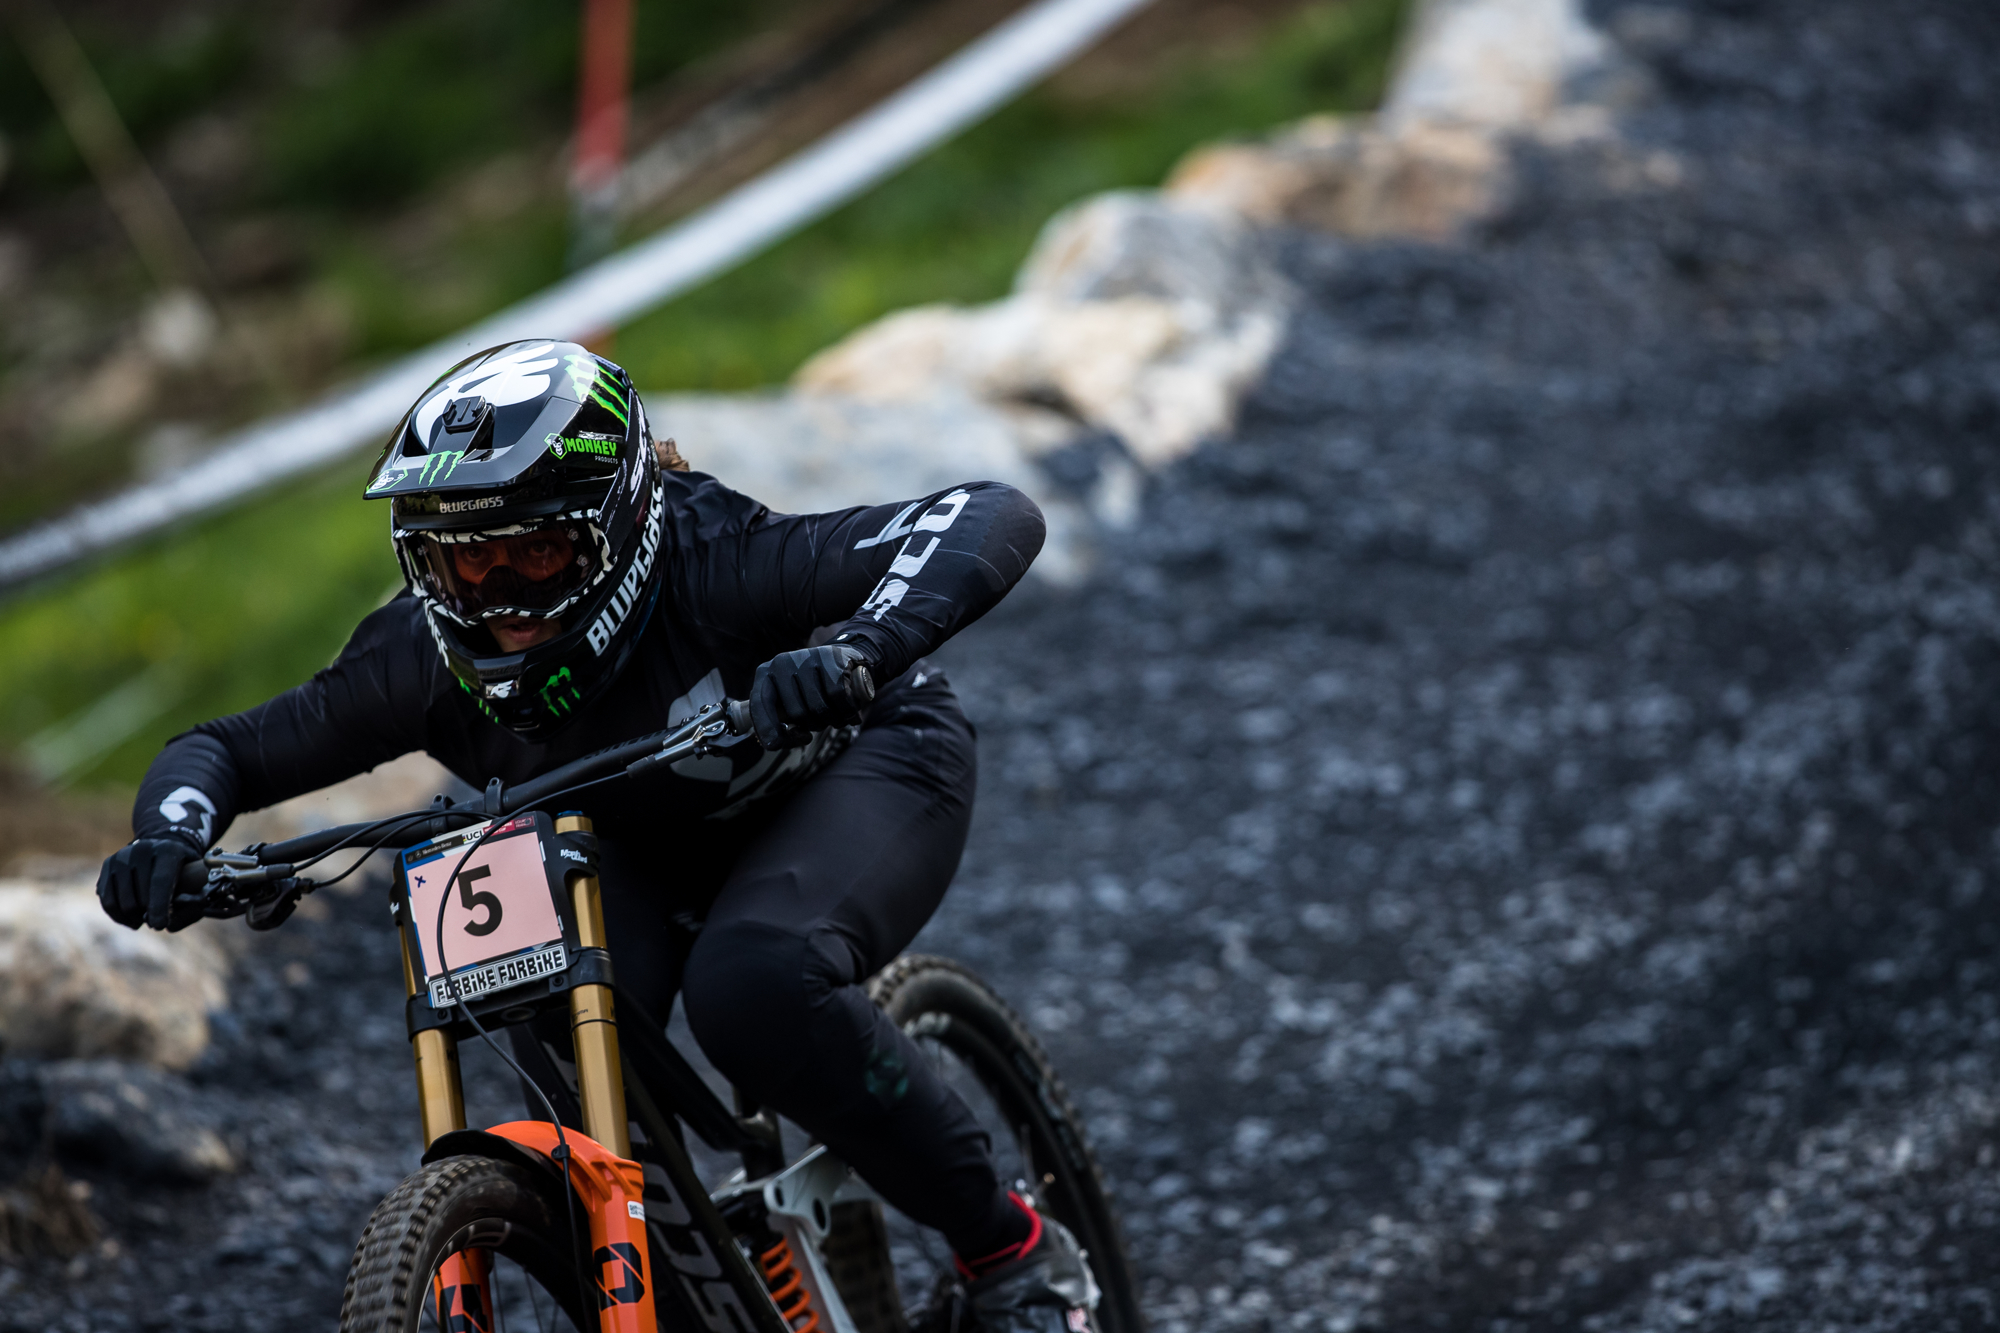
[{"x": 532, "y": 571}]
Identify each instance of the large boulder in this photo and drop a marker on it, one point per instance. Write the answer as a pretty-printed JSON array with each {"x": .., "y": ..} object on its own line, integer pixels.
[
  {"x": 1501, "y": 64},
  {"x": 1354, "y": 177},
  {"x": 74, "y": 983},
  {"x": 809, "y": 452},
  {"x": 1133, "y": 315},
  {"x": 143, "y": 1122},
  {"x": 140, "y": 1121},
  {"x": 1141, "y": 318},
  {"x": 1434, "y": 161}
]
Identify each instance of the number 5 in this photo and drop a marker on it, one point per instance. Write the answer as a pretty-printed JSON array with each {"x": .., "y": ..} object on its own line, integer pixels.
[{"x": 474, "y": 901}]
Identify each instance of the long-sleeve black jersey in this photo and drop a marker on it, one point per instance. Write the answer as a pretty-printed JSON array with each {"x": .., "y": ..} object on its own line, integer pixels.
[{"x": 741, "y": 585}]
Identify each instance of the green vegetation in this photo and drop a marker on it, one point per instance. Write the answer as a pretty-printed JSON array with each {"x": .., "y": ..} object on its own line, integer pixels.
[
  {"x": 225, "y": 614},
  {"x": 353, "y": 119},
  {"x": 450, "y": 83},
  {"x": 155, "y": 83},
  {"x": 247, "y": 604},
  {"x": 956, "y": 226}
]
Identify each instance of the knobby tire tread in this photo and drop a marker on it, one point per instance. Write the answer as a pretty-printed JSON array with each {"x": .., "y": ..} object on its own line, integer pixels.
[
  {"x": 890, "y": 990},
  {"x": 405, "y": 1238}
]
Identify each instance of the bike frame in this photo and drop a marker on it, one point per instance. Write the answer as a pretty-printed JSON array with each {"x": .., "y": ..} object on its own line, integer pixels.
[
  {"x": 644, "y": 1079},
  {"x": 713, "y": 1281}
]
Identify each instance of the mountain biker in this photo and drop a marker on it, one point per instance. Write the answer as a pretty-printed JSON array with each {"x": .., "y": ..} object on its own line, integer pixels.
[{"x": 566, "y": 591}]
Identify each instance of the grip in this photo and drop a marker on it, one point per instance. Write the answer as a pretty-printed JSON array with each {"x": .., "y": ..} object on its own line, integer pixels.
[
  {"x": 738, "y": 713},
  {"x": 860, "y": 685},
  {"x": 193, "y": 877}
]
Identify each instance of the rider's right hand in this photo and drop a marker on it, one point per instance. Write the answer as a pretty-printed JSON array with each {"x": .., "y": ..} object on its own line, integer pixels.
[{"x": 137, "y": 883}]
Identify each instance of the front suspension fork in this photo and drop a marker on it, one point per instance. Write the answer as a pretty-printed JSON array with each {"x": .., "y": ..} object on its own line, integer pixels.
[
  {"x": 600, "y": 1081},
  {"x": 600, "y": 1078}
]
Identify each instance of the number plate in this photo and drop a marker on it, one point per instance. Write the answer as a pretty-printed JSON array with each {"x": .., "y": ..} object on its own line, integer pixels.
[{"x": 501, "y": 923}]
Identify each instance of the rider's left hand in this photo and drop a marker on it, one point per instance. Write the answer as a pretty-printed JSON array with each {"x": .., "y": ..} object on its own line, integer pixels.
[{"x": 801, "y": 692}]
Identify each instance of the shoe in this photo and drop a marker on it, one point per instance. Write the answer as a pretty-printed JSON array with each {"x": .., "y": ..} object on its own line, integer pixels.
[{"x": 1045, "y": 1288}]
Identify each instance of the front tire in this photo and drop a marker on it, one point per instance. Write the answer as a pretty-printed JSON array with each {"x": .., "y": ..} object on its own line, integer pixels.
[{"x": 457, "y": 1204}]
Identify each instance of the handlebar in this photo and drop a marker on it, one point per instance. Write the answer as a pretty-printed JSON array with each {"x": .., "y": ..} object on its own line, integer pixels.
[{"x": 267, "y": 871}]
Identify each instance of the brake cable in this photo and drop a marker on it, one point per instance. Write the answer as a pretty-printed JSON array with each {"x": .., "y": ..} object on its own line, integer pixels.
[{"x": 583, "y": 1285}]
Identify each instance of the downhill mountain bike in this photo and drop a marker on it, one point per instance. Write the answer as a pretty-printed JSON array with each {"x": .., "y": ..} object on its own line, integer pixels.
[{"x": 538, "y": 1224}]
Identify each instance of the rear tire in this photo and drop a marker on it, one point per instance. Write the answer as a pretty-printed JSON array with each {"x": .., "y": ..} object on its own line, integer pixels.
[
  {"x": 937, "y": 1000},
  {"x": 456, "y": 1204}
]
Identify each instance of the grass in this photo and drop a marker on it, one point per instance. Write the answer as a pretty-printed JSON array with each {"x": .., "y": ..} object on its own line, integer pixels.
[
  {"x": 229, "y": 612},
  {"x": 955, "y": 226},
  {"x": 237, "y": 608},
  {"x": 351, "y": 120}
]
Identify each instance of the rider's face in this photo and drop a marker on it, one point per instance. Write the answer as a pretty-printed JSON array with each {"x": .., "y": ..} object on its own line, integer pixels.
[
  {"x": 506, "y": 568},
  {"x": 534, "y": 556},
  {"x": 517, "y": 634}
]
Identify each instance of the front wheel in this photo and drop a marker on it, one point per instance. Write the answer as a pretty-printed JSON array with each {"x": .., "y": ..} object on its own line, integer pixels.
[
  {"x": 498, "y": 1215},
  {"x": 988, "y": 1055}
]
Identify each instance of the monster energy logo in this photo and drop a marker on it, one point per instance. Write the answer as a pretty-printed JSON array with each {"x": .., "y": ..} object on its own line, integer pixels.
[
  {"x": 439, "y": 466},
  {"x": 435, "y": 468},
  {"x": 552, "y": 696},
  {"x": 592, "y": 383},
  {"x": 477, "y": 698}
]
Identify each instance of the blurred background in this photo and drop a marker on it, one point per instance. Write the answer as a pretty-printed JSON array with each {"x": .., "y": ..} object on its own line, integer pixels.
[
  {"x": 358, "y": 181},
  {"x": 1488, "y": 794}
]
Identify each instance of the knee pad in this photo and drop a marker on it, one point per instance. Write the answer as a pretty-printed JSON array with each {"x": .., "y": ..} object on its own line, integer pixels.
[
  {"x": 767, "y": 1003},
  {"x": 745, "y": 992}
]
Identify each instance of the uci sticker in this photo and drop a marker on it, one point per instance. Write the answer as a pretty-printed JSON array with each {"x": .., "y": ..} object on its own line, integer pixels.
[{"x": 635, "y": 1210}]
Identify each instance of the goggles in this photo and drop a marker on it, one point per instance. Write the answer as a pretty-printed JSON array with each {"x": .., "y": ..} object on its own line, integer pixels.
[{"x": 531, "y": 570}]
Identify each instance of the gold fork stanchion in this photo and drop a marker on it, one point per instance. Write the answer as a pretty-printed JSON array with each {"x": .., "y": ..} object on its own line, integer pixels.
[
  {"x": 440, "y": 1094},
  {"x": 600, "y": 1079}
]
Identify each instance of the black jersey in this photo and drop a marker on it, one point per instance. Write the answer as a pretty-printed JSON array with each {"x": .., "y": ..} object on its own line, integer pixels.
[{"x": 740, "y": 585}]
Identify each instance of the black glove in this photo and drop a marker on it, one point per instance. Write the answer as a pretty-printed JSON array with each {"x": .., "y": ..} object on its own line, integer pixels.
[
  {"x": 796, "y": 694},
  {"x": 137, "y": 883}
]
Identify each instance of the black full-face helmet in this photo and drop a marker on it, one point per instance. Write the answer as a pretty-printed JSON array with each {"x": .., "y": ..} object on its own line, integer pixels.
[{"x": 524, "y": 484}]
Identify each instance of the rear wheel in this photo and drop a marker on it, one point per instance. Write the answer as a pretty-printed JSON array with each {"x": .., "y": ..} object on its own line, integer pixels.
[
  {"x": 505, "y": 1215},
  {"x": 988, "y": 1055}
]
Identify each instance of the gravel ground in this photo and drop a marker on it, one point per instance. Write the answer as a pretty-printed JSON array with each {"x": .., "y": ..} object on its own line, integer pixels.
[{"x": 1506, "y": 842}]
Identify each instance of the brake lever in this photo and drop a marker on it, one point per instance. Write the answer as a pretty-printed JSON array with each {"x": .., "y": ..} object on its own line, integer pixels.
[
  {"x": 272, "y": 912},
  {"x": 230, "y": 873},
  {"x": 731, "y": 717}
]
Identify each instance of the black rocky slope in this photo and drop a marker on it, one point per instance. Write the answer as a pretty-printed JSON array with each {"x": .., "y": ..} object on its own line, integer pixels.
[
  {"x": 1508, "y": 841},
  {"x": 1511, "y": 840}
]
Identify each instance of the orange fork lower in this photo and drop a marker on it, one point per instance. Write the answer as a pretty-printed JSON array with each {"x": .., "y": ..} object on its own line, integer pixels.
[
  {"x": 612, "y": 1189},
  {"x": 464, "y": 1298}
]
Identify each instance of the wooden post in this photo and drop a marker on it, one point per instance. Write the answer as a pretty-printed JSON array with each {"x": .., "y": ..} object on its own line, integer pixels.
[{"x": 603, "y": 83}]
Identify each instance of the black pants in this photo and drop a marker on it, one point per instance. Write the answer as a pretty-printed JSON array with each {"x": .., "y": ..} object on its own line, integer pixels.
[{"x": 768, "y": 932}]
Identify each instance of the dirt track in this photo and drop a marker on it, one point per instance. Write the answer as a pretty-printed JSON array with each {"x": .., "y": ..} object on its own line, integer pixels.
[{"x": 1509, "y": 842}]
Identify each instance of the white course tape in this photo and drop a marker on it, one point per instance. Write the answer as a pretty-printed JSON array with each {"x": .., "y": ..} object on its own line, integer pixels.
[{"x": 800, "y": 189}]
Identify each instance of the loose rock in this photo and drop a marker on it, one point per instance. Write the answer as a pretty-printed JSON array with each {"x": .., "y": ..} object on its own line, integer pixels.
[
  {"x": 134, "y": 1119},
  {"x": 1474, "y": 78},
  {"x": 1132, "y": 315},
  {"x": 75, "y": 983}
]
